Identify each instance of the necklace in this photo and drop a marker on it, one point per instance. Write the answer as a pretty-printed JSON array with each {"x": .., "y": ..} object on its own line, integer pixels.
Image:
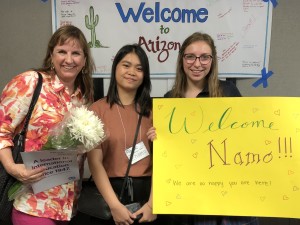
[{"x": 124, "y": 130}]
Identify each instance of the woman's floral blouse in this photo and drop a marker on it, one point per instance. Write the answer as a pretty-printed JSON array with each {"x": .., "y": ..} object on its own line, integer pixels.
[{"x": 54, "y": 101}]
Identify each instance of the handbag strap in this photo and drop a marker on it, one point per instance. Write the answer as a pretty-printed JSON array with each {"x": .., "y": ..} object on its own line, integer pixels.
[
  {"x": 19, "y": 139},
  {"x": 131, "y": 156},
  {"x": 32, "y": 104}
]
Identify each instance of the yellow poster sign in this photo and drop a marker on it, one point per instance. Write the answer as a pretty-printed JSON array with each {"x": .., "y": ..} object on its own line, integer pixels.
[{"x": 227, "y": 156}]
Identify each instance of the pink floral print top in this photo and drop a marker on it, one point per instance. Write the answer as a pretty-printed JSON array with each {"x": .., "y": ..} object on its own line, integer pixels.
[{"x": 54, "y": 101}]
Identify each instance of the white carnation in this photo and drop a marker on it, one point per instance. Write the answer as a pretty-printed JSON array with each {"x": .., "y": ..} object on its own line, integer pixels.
[{"x": 85, "y": 127}]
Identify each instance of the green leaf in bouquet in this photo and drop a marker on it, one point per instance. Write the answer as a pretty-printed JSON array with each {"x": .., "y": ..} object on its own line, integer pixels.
[
  {"x": 14, "y": 189},
  {"x": 62, "y": 141}
]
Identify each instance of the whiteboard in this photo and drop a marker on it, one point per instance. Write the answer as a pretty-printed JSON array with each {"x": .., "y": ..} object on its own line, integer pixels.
[{"x": 241, "y": 30}]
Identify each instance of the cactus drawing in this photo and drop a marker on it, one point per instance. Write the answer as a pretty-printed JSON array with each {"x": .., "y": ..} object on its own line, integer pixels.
[{"x": 91, "y": 24}]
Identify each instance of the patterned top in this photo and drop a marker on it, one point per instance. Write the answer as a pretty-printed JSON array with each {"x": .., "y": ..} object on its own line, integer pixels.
[{"x": 54, "y": 101}]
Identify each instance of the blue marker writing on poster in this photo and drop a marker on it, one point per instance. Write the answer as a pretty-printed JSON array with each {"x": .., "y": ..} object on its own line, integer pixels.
[
  {"x": 161, "y": 14},
  {"x": 263, "y": 78}
]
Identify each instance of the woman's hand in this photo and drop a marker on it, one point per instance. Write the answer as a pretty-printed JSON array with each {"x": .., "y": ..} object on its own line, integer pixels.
[
  {"x": 151, "y": 133},
  {"x": 19, "y": 171},
  {"x": 121, "y": 215},
  {"x": 147, "y": 215},
  {"x": 24, "y": 175}
]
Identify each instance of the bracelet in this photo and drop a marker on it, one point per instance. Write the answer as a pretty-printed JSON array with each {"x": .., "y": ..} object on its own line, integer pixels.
[{"x": 148, "y": 205}]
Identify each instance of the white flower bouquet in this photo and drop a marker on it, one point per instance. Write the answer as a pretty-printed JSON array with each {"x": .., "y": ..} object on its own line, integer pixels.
[{"x": 80, "y": 130}]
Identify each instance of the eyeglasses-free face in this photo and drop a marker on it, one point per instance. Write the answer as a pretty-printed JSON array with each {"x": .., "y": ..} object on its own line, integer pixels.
[{"x": 191, "y": 58}]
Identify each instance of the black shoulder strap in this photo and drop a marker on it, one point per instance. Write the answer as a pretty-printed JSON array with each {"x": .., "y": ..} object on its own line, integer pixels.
[
  {"x": 19, "y": 138},
  {"x": 32, "y": 104},
  {"x": 131, "y": 156}
]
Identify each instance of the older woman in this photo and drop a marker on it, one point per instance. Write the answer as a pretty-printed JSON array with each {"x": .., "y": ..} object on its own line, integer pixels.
[{"x": 67, "y": 81}]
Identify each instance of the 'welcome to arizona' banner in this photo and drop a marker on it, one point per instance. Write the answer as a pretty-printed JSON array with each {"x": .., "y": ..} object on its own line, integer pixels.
[{"x": 241, "y": 30}]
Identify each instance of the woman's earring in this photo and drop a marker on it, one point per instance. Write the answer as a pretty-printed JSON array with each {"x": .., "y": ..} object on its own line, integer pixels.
[
  {"x": 52, "y": 67},
  {"x": 83, "y": 70}
]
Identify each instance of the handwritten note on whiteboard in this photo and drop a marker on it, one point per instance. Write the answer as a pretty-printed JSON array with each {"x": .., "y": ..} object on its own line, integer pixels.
[{"x": 227, "y": 156}]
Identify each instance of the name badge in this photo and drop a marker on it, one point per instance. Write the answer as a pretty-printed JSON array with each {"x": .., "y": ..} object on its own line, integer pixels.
[{"x": 140, "y": 152}]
